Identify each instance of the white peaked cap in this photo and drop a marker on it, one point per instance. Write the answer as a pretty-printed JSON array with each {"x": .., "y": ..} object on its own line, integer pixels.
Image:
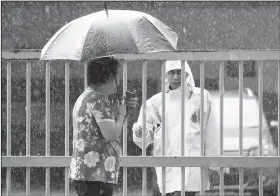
[{"x": 172, "y": 65}]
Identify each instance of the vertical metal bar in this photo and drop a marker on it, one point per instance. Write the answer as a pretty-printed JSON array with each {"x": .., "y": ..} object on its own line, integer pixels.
[
  {"x": 144, "y": 97},
  {"x": 163, "y": 87},
  {"x": 183, "y": 79},
  {"x": 202, "y": 146},
  {"x": 9, "y": 121},
  {"x": 278, "y": 186},
  {"x": 241, "y": 125},
  {"x": 67, "y": 123},
  {"x": 47, "y": 191},
  {"x": 124, "y": 130},
  {"x": 260, "y": 95},
  {"x": 221, "y": 89},
  {"x": 28, "y": 123},
  {"x": 222, "y": 181},
  {"x": 85, "y": 75},
  {"x": 278, "y": 125}
]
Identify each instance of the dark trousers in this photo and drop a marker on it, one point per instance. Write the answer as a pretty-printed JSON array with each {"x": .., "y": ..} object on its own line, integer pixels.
[
  {"x": 178, "y": 193},
  {"x": 92, "y": 188}
]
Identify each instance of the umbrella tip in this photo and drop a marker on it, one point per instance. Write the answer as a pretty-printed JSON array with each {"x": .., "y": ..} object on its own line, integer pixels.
[{"x": 105, "y": 6}]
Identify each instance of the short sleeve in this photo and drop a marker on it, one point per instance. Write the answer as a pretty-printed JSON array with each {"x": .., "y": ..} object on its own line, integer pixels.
[{"x": 103, "y": 111}]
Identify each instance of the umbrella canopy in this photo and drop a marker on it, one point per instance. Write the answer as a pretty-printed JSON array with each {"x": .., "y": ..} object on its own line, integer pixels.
[{"x": 119, "y": 32}]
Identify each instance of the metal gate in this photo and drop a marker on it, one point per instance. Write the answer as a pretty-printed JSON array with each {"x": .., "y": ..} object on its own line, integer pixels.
[{"x": 143, "y": 161}]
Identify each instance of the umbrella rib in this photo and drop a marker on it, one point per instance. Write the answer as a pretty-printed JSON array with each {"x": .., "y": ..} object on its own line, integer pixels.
[
  {"x": 82, "y": 53},
  {"x": 133, "y": 38},
  {"x": 162, "y": 34},
  {"x": 86, "y": 37}
]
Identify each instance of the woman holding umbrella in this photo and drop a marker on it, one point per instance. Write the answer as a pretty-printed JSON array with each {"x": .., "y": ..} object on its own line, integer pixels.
[
  {"x": 97, "y": 126},
  {"x": 98, "y": 120}
]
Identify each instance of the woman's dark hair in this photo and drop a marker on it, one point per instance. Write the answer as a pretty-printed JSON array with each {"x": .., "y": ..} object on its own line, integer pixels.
[{"x": 100, "y": 70}]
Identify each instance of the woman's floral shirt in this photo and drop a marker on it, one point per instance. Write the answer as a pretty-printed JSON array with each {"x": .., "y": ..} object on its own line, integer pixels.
[{"x": 94, "y": 158}]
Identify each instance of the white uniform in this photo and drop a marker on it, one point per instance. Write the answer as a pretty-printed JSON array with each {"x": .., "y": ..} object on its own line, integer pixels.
[{"x": 173, "y": 132}]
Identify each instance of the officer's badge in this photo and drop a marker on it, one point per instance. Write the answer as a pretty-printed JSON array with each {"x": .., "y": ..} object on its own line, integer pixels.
[{"x": 194, "y": 117}]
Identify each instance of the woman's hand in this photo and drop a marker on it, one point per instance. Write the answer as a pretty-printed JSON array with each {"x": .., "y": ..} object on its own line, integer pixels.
[{"x": 131, "y": 102}]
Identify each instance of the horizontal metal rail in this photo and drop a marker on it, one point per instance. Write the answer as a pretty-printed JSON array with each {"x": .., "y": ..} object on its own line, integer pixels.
[
  {"x": 195, "y": 55},
  {"x": 151, "y": 161}
]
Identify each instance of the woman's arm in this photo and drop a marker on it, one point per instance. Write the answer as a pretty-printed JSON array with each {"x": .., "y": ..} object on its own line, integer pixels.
[
  {"x": 109, "y": 124},
  {"x": 112, "y": 130}
]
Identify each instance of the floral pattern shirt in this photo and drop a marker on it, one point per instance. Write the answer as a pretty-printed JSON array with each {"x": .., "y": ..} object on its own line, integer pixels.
[{"x": 94, "y": 158}]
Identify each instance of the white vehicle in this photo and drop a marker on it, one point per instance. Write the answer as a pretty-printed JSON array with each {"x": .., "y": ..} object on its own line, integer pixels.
[{"x": 231, "y": 135}]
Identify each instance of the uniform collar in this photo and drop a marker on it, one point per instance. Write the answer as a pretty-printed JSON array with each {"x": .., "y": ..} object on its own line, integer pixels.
[{"x": 168, "y": 90}]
